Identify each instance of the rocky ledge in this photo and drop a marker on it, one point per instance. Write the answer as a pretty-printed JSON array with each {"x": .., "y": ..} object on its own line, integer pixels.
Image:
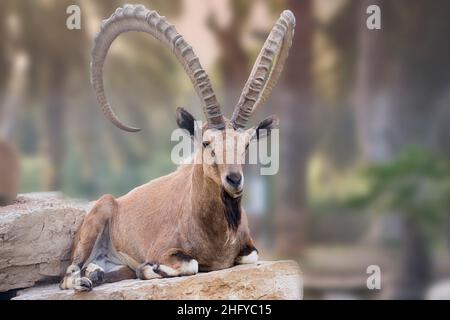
[
  {"x": 36, "y": 234},
  {"x": 263, "y": 280}
]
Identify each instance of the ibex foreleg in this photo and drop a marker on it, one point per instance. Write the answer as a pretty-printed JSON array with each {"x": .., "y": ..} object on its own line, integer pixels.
[
  {"x": 98, "y": 275},
  {"x": 73, "y": 280},
  {"x": 174, "y": 263},
  {"x": 91, "y": 229}
]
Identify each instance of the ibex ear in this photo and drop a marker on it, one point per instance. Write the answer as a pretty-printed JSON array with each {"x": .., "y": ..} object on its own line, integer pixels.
[
  {"x": 186, "y": 121},
  {"x": 265, "y": 127}
]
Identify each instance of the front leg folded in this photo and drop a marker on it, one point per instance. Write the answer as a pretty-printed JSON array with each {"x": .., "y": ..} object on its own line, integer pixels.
[
  {"x": 73, "y": 280},
  {"x": 174, "y": 263}
]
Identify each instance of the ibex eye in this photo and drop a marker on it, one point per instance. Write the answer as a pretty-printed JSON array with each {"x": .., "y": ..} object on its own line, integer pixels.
[{"x": 206, "y": 143}]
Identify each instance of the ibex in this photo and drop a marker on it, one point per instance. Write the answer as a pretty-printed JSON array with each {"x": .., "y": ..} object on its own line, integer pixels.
[{"x": 192, "y": 219}]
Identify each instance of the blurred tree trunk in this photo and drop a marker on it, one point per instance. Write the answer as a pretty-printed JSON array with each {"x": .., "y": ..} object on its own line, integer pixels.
[
  {"x": 374, "y": 79},
  {"x": 233, "y": 60},
  {"x": 13, "y": 95},
  {"x": 14, "y": 74},
  {"x": 387, "y": 95},
  {"x": 55, "y": 128},
  {"x": 9, "y": 155},
  {"x": 15, "y": 80},
  {"x": 295, "y": 105},
  {"x": 415, "y": 275}
]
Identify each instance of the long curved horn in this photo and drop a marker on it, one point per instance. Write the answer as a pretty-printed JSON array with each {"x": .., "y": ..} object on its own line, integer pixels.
[
  {"x": 138, "y": 18},
  {"x": 266, "y": 70}
]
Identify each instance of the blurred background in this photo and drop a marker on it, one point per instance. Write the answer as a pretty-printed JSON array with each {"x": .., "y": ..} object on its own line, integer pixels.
[{"x": 364, "y": 125}]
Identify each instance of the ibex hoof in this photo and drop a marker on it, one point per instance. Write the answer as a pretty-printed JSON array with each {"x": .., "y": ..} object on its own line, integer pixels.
[
  {"x": 147, "y": 271},
  {"x": 95, "y": 273},
  {"x": 83, "y": 284}
]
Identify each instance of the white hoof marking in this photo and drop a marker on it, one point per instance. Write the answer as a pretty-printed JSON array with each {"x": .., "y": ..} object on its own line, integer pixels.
[
  {"x": 251, "y": 258},
  {"x": 189, "y": 268}
]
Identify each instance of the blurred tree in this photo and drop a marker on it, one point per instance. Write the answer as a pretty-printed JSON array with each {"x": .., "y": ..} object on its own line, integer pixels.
[
  {"x": 53, "y": 59},
  {"x": 295, "y": 104},
  {"x": 373, "y": 71},
  {"x": 400, "y": 75},
  {"x": 395, "y": 78},
  {"x": 10, "y": 101},
  {"x": 57, "y": 88},
  {"x": 18, "y": 62},
  {"x": 415, "y": 184},
  {"x": 400, "y": 88},
  {"x": 234, "y": 62},
  {"x": 4, "y": 66}
]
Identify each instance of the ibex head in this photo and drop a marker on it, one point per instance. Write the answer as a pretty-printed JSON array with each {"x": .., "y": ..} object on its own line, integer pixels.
[
  {"x": 222, "y": 152},
  {"x": 221, "y": 138}
]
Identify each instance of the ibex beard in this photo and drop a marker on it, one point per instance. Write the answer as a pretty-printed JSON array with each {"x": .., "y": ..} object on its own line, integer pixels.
[{"x": 192, "y": 219}]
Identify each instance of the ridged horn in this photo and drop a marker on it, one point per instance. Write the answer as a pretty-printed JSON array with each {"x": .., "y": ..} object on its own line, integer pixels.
[
  {"x": 138, "y": 18},
  {"x": 266, "y": 70}
]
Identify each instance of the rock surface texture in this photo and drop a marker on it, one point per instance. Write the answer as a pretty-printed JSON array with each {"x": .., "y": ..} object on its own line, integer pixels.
[
  {"x": 263, "y": 280},
  {"x": 36, "y": 234}
]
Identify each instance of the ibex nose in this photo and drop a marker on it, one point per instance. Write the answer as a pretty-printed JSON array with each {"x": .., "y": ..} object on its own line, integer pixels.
[{"x": 234, "y": 179}]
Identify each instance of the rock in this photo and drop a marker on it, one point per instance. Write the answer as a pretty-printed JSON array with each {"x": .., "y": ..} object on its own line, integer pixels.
[
  {"x": 263, "y": 280},
  {"x": 36, "y": 234}
]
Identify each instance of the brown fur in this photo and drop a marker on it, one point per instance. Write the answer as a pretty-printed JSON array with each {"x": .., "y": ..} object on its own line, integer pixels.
[{"x": 9, "y": 173}]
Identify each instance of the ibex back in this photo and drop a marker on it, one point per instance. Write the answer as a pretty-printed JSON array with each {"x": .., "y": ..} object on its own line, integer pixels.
[{"x": 192, "y": 219}]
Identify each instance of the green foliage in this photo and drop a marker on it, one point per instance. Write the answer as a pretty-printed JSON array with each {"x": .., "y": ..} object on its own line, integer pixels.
[{"x": 415, "y": 184}]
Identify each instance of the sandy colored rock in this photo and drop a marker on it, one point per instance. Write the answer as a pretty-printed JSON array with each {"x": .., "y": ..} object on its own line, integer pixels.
[
  {"x": 36, "y": 234},
  {"x": 263, "y": 280}
]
